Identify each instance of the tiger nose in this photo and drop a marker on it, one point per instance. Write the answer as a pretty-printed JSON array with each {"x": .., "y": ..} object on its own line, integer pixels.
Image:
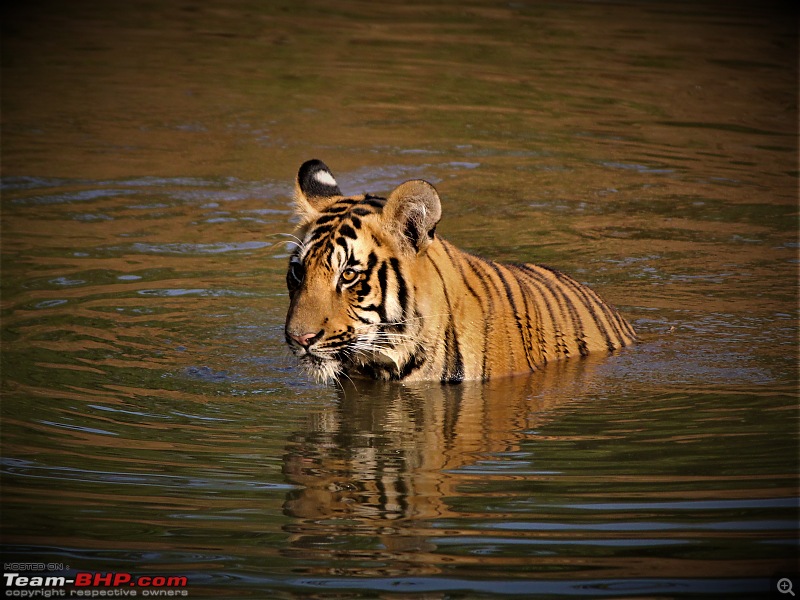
[{"x": 306, "y": 339}]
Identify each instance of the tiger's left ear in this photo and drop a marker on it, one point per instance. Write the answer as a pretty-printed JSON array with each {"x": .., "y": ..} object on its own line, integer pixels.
[
  {"x": 412, "y": 210},
  {"x": 314, "y": 189}
]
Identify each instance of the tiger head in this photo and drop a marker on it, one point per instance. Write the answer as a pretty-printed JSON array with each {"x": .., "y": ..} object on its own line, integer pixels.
[{"x": 350, "y": 278}]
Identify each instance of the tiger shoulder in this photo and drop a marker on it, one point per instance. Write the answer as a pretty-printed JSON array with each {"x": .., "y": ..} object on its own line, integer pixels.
[{"x": 375, "y": 292}]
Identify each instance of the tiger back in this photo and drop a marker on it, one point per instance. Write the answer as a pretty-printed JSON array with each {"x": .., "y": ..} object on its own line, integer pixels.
[{"x": 375, "y": 292}]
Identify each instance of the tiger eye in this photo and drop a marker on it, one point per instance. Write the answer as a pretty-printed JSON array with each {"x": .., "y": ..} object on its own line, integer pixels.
[{"x": 349, "y": 275}]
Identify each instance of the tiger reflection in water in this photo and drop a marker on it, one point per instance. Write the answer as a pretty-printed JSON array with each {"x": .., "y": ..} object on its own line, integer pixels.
[{"x": 384, "y": 464}]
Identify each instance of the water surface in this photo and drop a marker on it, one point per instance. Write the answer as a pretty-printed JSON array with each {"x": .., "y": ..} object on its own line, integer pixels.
[{"x": 152, "y": 420}]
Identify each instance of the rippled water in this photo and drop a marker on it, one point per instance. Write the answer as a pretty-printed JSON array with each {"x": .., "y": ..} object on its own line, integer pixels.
[{"x": 152, "y": 420}]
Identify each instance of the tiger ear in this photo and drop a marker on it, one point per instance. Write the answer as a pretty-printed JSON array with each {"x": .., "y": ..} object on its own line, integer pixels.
[
  {"x": 412, "y": 210},
  {"x": 314, "y": 189}
]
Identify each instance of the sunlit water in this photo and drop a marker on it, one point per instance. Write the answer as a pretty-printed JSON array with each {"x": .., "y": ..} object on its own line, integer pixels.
[{"x": 153, "y": 422}]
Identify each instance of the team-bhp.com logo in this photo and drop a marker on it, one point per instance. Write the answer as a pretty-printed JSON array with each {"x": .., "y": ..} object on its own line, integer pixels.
[{"x": 93, "y": 585}]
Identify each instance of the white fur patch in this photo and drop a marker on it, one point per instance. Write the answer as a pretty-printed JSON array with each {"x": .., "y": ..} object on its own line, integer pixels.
[{"x": 325, "y": 178}]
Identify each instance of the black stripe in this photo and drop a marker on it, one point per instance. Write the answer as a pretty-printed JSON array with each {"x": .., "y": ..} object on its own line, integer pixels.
[
  {"x": 591, "y": 301},
  {"x": 348, "y": 231},
  {"x": 510, "y": 296},
  {"x": 416, "y": 360},
  {"x": 566, "y": 304},
  {"x": 373, "y": 201},
  {"x": 535, "y": 279},
  {"x": 534, "y": 298},
  {"x": 379, "y": 308},
  {"x": 382, "y": 284},
  {"x": 478, "y": 268},
  {"x": 363, "y": 291},
  {"x": 402, "y": 292},
  {"x": 578, "y": 328},
  {"x": 486, "y": 318},
  {"x": 326, "y": 218},
  {"x": 340, "y": 241},
  {"x": 588, "y": 304},
  {"x": 319, "y": 232},
  {"x": 372, "y": 260},
  {"x": 566, "y": 308},
  {"x": 341, "y": 206},
  {"x": 453, "y": 369},
  {"x": 525, "y": 292},
  {"x": 365, "y": 287},
  {"x": 362, "y": 211},
  {"x": 327, "y": 250},
  {"x": 629, "y": 328},
  {"x": 620, "y": 325}
]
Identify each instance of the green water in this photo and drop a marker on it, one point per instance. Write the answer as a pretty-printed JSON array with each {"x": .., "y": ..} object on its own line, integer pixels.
[{"x": 153, "y": 421}]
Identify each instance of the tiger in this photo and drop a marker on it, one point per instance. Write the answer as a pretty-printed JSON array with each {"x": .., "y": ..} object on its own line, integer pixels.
[{"x": 374, "y": 292}]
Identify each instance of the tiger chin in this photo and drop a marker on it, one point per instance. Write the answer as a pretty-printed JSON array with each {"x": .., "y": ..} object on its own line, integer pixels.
[{"x": 374, "y": 292}]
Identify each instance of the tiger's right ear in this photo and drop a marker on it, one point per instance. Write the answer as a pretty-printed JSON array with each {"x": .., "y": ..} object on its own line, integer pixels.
[
  {"x": 314, "y": 189},
  {"x": 412, "y": 211}
]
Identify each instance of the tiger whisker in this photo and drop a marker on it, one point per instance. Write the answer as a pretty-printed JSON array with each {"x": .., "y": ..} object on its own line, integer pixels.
[
  {"x": 368, "y": 346},
  {"x": 295, "y": 240},
  {"x": 405, "y": 321},
  {"x": 385, "y": 342},
  {"x": 391, "y": 336}
]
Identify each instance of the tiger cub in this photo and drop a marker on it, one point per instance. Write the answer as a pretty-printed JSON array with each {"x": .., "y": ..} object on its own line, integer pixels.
[{"x": 375, "y": 292}]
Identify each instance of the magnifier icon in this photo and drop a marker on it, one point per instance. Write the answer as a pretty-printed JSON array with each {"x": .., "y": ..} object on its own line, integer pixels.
[{"x": 785, "y": 586}]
